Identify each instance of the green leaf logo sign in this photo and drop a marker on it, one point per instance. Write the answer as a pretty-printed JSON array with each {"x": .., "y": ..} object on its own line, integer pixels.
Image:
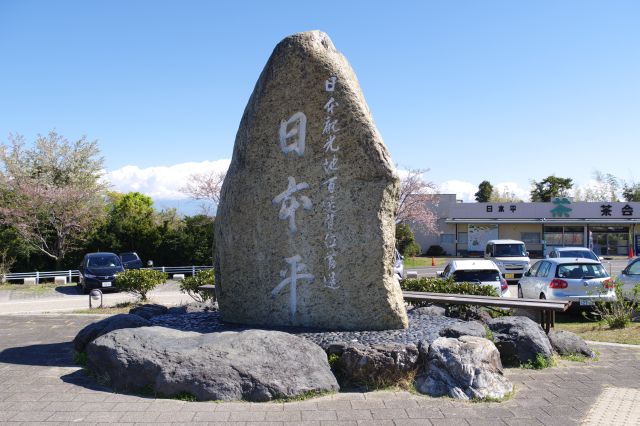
[{"x": 561, "y": 208}]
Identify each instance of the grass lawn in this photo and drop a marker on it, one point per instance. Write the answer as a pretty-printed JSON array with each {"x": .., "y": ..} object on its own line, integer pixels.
[
  {"x": 33, "y": 288},
  {"x": 601, "y": 332},
  {"x": 120, "y": 308},
  {"x": 421, "y": 262}
]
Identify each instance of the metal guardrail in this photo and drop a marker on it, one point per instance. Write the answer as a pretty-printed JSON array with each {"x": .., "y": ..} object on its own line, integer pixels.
[{"x": 74, "y": 273}]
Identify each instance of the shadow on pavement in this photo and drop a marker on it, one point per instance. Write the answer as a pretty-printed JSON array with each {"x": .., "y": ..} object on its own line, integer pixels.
[
  {"x": 68, "y": 289},
  {"x": 48, "y": 354}
]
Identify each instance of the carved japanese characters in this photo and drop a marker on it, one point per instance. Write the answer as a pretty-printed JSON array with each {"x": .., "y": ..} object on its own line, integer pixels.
[{"x": 305, "y": 226}]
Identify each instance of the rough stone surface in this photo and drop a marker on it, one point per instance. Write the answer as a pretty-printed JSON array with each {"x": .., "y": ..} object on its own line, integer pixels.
[
  {"x": 376, "y": 364},
  {"x": 98, "y": 328},
  {"x": 305, "y": 231},
  {"x": 149, "y": 310},
  {"x": 421, "y": 328},
  {"x": 568, "y": 343},
  {"x": 254, "y": 365},
  {"x": 519, "y": 339},
  {"x": 429, "y": 310},
  {"x": 193, "y": 308},
  {"x": 464, "y": 368},
  {"x": 469, "y": 328}
]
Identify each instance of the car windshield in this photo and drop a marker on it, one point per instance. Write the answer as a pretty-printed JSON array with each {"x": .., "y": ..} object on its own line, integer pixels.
[
  {"x": 476, "y": 275},
  {"x": 509, "y": 250},
  {"x": 129, "y": 256},
  {"x": 581, "y": 270},
  {"x": 578, "y": 253},
  {"x": 104, "y": 261}
]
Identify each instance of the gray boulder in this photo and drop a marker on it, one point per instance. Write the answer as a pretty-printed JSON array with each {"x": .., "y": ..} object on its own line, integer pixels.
[
  {"x": 305, "y": 230},
  {"x": 519, "y": 339},
  {"x": 464, "y": 368},
  {"x": 467, "y": 328},
  {"x": 254, "y": 365},
  {"x": 568, "y": 343},
  {"x": 376, "y": 364},
  {"x": 149, "y": 310},
  {"x": 97, "y": 329}
]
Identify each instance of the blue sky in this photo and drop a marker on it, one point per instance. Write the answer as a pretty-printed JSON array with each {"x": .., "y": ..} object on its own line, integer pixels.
[{"x": 472, "y": 90}]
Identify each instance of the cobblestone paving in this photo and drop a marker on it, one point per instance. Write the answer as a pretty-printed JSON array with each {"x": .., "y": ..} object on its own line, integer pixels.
[{"x": 39, "y": 384}]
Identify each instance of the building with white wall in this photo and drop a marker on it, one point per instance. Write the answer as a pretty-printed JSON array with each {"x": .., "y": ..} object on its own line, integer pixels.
[{"x": 609, "y": 228}]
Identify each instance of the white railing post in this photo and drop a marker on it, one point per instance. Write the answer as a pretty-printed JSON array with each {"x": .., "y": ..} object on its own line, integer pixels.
[
  {"x": 193, "y": 270},
  {"x": 37, "y": 277}
]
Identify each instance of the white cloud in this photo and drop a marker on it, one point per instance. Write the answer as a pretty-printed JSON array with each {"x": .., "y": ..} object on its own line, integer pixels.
[
  {"x": 464, "y": 190},
  {"x": 162, "y": 182}
]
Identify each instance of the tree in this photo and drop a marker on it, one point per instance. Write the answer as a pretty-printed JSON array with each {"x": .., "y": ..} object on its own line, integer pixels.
[
  {"x": 505, "y": 196},
  {"x": 131, "y": 224},
  {"x": 405, "y": 241},
  {"x": 205, "y": 186},
  {"x": 605, "y": 188},
  {"x": 485, "y": 189},
  {"x": 550, "y": 188},
  {"x": 631, "y": 192},
  {"x": 415, "y": 194},
  {"x": 50, "y": 193}
]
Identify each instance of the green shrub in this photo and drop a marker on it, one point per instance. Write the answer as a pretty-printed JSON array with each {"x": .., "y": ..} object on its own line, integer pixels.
[
  {"x": 140, "y": 281},
  {"x": 405, "y": 241},
  {"x": 441, "y": 285},
  {"x": 618, "y": 313},
  {"x": 435, "y": 250},
  {"x": 190, "y": 285}
]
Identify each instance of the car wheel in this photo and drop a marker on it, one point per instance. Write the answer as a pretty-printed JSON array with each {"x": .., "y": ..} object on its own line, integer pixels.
[{"x": 520, "y": 296}]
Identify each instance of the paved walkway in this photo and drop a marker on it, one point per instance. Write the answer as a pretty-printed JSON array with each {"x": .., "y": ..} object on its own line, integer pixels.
[
  {"x": 39, "y": 384},
  {"x": 66, "y": 298}
]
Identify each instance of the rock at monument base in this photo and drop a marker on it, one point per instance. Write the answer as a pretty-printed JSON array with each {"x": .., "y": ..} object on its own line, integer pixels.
[
  {"x": 305, "y": 230},
  {"x": 464, "y": 368},
  {"x": 519, "y": 340},
  {"x": 253, "y": 365},
  {"x": 468, "y": 328},
  {"x": 98, "y": 328},
  {"x": 149, "y": 310},
  {"x": 375, "y": 365},
  {"x": 429, "y": 310},
  {"x": 568, "y": 343}
]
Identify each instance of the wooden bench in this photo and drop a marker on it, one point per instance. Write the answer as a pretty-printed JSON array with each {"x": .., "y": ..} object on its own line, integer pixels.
[{"x": 547, "y": 308}]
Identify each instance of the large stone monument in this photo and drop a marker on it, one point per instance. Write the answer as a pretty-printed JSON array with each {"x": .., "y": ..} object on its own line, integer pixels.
[{"x": 305, "y": 226}]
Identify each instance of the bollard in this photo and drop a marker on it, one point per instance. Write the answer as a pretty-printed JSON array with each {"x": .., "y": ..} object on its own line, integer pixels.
[{"x": 94, "y": 296}]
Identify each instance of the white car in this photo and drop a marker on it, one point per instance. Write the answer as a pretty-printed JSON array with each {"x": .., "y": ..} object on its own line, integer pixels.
[
  {"x": 480, "y": 271},
  {"x": 583, "y": 281},
  {"x": 575, "y": 252},
  {"x": 510, "y": 256},
  {"x": 630, "y": 277}
]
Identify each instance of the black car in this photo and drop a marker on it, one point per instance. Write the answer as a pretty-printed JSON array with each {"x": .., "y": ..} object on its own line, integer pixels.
[
  {"x": 131, "y": 260},
  {"x": 98, "y": 270}
]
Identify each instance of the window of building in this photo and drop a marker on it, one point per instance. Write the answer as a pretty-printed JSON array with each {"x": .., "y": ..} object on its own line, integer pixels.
[
  {"x": 447, "y": 238},
  {"x": 530, "y": 237},
  {"x": 463, "y": 238}
]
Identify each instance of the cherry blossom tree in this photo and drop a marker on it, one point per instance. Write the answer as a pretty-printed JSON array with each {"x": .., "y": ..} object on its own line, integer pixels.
[
  {"x": 416, "y": 194},
  {"x": 50, "y": 193},
  {"x": 205, "y": 186}
]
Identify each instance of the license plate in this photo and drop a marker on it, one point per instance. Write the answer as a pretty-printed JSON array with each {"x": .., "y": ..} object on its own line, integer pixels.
[
  {"x": 586, "y": 302},
  {"x": 508, "y": 276},
  {"x": 106, "y": 284}
]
